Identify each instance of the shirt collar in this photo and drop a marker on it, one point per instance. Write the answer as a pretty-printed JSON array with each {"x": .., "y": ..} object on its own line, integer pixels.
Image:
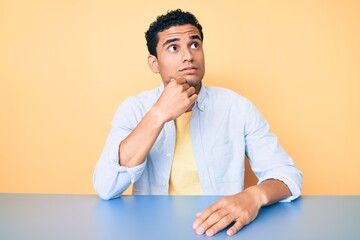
[{"x": 202, "y": 100}]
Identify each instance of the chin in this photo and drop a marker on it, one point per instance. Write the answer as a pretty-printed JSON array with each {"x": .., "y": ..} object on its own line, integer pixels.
[{"x": 194, "y": 83}]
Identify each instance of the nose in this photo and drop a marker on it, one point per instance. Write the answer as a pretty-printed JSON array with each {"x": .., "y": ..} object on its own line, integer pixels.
[{"x": 187, "y": 55}]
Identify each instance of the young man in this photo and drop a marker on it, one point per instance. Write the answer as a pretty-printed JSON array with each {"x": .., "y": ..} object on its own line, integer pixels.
[{"x": 186, "y": 138}]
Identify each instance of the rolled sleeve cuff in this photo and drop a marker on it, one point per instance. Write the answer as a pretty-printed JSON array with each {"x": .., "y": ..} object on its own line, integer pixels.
[
  {"x": 291, "y": 183},
  {"x": 134, "y": 172}
]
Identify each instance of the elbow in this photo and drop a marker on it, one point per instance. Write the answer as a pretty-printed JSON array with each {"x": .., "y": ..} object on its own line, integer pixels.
[
  {"x": 110, "y": 180},
  {"x": 105, "y": 196},
  {"x": 103, "y": 193},
  {"x": 109, "y": 187},
  {"x": 102, "y": 189}
]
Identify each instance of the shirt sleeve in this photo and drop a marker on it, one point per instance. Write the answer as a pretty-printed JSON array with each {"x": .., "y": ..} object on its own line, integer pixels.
[
  {"x": 110, "y": 179},
  {"x": 267, "y": 158}
]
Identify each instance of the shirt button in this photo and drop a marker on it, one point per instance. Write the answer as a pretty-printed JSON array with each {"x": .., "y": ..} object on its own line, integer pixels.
[{"x": 168, "y": 154}]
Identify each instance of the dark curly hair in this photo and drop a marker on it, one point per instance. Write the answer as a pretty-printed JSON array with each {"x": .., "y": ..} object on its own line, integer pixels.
[{"x": 171, "y": 18}]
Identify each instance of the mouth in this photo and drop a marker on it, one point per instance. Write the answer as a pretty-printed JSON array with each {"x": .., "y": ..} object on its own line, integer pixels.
[{"x": 189, "y": 70}]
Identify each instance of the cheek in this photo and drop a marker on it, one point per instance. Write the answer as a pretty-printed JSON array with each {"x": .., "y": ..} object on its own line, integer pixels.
[
  {"x": 167, "y": 69},
  {"x": 168, "y": 63},
  {"x": 200, "y": 56},
  {"x": 170, "y": 58}
]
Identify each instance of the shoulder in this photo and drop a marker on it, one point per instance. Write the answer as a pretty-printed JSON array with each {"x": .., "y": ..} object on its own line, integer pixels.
[
  {"x": 145, "y": 96},
  {"x": 143, "y": 100},
  {"x": 226, "y": 96},
  {"x": 135, "y": 107}
]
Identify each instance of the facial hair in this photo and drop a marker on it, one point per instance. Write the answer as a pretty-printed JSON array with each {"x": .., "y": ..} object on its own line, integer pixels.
[{"x": 194, "y": 83}]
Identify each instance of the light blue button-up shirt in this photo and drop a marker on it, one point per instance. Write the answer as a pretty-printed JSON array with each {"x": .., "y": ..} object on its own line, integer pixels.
[{"x": 224, "y": 127}]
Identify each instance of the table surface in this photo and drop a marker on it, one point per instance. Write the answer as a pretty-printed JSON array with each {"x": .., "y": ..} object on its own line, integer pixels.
[{"x": 36, "y": 216}]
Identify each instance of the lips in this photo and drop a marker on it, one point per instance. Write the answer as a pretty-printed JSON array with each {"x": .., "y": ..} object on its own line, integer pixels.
[{"x": 188, "y": 69}]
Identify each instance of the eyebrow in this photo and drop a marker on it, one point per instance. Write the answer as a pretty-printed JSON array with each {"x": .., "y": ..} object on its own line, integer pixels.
[
  {"x": 195, "y": 37},
  {"x": 171, "y": 40}
]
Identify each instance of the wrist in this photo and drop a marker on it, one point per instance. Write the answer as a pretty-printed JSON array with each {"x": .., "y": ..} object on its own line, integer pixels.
[
  {"x": 157, "y": 116},
  {"x": 258, "y": 195}
]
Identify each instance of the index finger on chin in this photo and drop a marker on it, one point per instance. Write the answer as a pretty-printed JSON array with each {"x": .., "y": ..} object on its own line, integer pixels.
[{"x": 181, "y": 80}]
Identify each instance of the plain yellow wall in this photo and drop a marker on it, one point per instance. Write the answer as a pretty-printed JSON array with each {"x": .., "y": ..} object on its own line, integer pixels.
[{"x": 66, "y": 65}]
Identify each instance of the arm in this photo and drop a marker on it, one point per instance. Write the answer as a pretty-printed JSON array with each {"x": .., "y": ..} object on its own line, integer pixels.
[
  {"x": 177, "y": 97},
  {"x": 119, "y": 166},
  {"x": 279, "y": 179},
  {"x": 241, "y": 208}
]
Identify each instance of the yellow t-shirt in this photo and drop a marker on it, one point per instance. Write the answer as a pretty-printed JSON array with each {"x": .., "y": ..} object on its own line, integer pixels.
[{"x": 184, "y": 178}]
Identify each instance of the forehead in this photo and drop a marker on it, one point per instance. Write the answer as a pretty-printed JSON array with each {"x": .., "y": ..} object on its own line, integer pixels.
[{"x": 182, "y": 31}]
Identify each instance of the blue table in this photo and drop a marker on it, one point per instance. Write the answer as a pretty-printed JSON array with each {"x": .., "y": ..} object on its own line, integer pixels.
[{"x": 32, "y": 216}]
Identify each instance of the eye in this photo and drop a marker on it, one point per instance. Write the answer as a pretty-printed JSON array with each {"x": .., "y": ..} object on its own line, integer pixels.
[
  {"x": 195, "y": 45},
  {"x": 173, "y": 48}
]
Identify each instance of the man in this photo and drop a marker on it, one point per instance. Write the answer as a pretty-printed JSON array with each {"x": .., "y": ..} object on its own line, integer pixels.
[{"x": 186, "y": 138}]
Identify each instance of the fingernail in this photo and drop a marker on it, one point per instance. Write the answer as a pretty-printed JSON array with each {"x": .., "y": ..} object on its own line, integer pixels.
[
  {"x": 209, "y": 232},
  {"x": 230, "y": 232},
  {"x": 200, "y": 230},
  {"x": 194, "y": 225}
]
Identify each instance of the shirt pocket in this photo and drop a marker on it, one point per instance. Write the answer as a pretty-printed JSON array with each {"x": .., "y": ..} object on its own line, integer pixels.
[{"x": 227, "y": 162}]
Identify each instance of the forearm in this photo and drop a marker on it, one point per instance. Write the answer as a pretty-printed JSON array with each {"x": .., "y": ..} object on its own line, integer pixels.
[
  {"x": 269, "y": 192},
  {"x": 134, "y": 148},
  {"x": 176, "y": 98}
]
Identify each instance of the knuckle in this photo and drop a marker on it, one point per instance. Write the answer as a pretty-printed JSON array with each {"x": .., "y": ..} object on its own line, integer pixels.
[
  {"x": 215, "y": 228},
  {"x": 223, "y": 202},
  {"x": 205, "y": 225},
  {"x": 172, "y": 83},
  {"x": 240, "y": 223},
  {"x": 227, "y": 218},
  {"x": 188, "y": 102},
  {"x": 208, "y": 211},
  {"x": 235, "y": 207},
  {"x": 247, "y": 216},
  {"x": 216, "y": 215}
]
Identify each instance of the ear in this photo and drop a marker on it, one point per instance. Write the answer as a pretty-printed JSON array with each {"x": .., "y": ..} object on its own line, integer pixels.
[{"x": 153, "y": 63}]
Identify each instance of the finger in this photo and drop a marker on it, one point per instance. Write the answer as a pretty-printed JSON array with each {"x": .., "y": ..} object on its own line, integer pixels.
[
  {"x": 190, "y": 91},
  {"x": 198, "y": 214},
  {"x": 212, "y": 221},
  {"x": 185, "y": 86},
  {"x": 181, "y": 80},
  {"x": 206, "y": 224},
  {"x": 172, "y": 81},
  {"x": 220, "y": 225},
  {"x": 235, "y": 228},
  {"x": 193, "y": 99},
  {"x": 211, "y": 209}
]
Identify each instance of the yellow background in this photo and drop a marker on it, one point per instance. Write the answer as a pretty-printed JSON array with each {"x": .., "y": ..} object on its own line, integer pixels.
[{"x": 66, "y": 65}]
